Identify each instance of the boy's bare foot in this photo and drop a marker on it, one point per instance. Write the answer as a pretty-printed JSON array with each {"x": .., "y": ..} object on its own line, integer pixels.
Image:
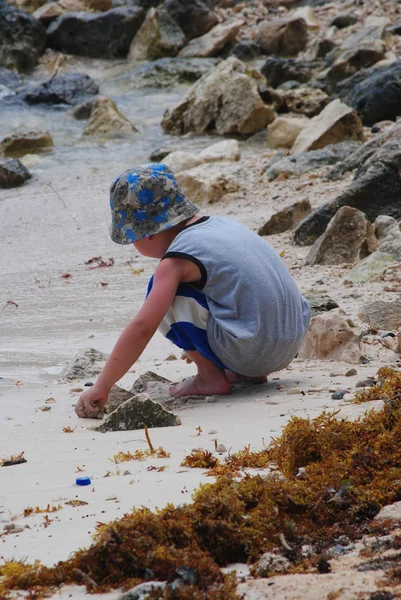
[
  {"x": 197, "y": 386},
  {"x": 237, "y": 378},
  {"x": 209, "y": 380},
  {"x": 188, "y": 360}
]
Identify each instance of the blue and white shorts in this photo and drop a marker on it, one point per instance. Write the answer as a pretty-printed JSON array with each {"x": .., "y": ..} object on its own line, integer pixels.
[{"x": 185, "y": 323}]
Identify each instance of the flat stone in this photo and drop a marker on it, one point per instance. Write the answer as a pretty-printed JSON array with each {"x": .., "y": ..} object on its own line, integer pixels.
[
  {"x": 137, "y": 413},
  {"x": 182, "y": 161},
  {"x": 213, "y": 42},
  {"x": 25, "y": 142},
  {"x": 226, "y": 150},
  {"x": 320, "y": 303},
  {"x": 209, "y": 182},
  {"x": 286, "y": 219}
]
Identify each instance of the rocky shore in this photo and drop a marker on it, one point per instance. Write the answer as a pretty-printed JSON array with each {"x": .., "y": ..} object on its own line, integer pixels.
[{"x": 285, "y": 115}]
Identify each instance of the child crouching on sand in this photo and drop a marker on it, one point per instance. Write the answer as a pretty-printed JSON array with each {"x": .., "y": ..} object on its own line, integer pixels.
[{"x": 219, "y": 292}]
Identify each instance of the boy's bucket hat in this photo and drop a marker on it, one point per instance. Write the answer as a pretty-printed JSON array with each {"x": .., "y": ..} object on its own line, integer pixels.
[{"x": 146, "y": 200}]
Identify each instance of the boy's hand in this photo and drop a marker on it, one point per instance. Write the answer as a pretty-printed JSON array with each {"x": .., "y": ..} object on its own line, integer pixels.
[{"x": 92, "y": 402}]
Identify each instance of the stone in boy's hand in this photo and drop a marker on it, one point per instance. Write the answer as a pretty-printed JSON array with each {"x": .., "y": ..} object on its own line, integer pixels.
[{"x": 92, "y": 402}]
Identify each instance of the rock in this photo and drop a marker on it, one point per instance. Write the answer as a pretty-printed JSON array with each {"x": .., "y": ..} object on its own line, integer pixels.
[
  {"x": 392, "y": 247},
  {"x": 331, "y": 337},
  {"x": 47, "y": 13},
  {"x": 208, "y": 183},
  {"x": 164, "y": 72},
  {"x": 378, "y": 96},
  {"x": 22, "y": 39},
  {"x": 357, "y": 158},
  {"x": 306, "y": 101},
  {"x": 283, "y": 132},
  {"x": 370, "y": 268},
  {"x": 278, "y": 70},
  {"x": 321, "y": 48},
  {"x": 71, "y": 88},
  {"x": 270, "y": 563},
  {"x": 106, "y": 119},
  {"x": 226, "y": 150},
  {"x": 155, "y": 386},
  {"x": 193, "y": 16},
  {"x": 213, "y": 42},
  {"x": 391, "y": 512},
  {"x": 386, "y": 228},
  {"x": 349, "y": 237},
  {"x": 351, "y": 373},
  {"x": 336, "y": 123},
  {"x": 117, "y": 396},
  {"x": 343, "y": 21},
  {"x": 86, "y": 363},
  {"x": 83, "y": 111},
  {"x": 307, "y": 162},
  {"x": 338, "y": 395},
  {"x": 142, "y": 591},
  {"x": 245, "y": 50},
  {"x": 282, "y": 37},
  {"x": 366, "y": 383},
  {"x": 382, "y": 315},
  {"x": 159, "y": 154},
  {"x": 182, "y": 161},
  {"x": 12, "y": 173},
  {"x": 159, "y": 36},
  {"x": 136, "y": 413},
  {"x": 225, "y": 101},
  {"x": 98, "y": 35},
  {"x": 352, "y": 60},
  {"x": 286, "y": 219},
  {"x": 18, "y": 144},
  {"x": 221, "y": 448},
  {"x": 374, "y": 30},
  {"x": 294, "y": 391},
  {"x": 376, "y": 190},
  {"x": 308, "y": 15},
  {"x": 320, "y": 303}
]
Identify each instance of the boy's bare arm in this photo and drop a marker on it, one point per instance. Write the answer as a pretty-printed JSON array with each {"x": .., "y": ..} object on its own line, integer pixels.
[{"x": 134, "y": 337}]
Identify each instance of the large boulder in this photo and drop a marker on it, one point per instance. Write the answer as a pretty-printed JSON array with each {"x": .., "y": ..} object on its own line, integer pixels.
[
  {"x": 376, "y": 190},
  {"x": 12, "y": 173},
  {"x": 307, "y": 162},
  {"x": 159, "y": 36},
  {"x": 24, "y": 142},
  {"x": 305, "y": 101},
  {"x": 282, "y": 37},
  {"x": 382, "y": 315},
  {"x": 209, "y": 182},
  {"x": 378, "y": 96},
  {"x": 193, "y": 16},
  {"x": 287, "y": 218},
  {"x": 283, "y": 132},
  {"x": 332, "y": 336},
  {"x": 99, "y": 35},
  {"x": 349, "y": 237},
  {"x": 213, "y": 42},
  {"x": 22, "y": 39},
  {"x": 224, "y": 101},
  {"x": 138, "y": 412},
  {"x": 72, "y": 88},
  {"x": 336, "y": 123},
  {"x": 106, "y": 119},
  {"x": 50, "y": 11}
]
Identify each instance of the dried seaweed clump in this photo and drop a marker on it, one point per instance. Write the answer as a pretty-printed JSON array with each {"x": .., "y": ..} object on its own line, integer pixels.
[
  {"x": 388, "y": 387},
  {"x": 350, "y": 470},
  {"x": 201, "y": 459},
  {"x": 139, "y": 455}
]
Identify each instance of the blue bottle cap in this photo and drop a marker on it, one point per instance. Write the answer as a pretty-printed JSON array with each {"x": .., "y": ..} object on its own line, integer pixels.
[{"x": 83, "y": 481}]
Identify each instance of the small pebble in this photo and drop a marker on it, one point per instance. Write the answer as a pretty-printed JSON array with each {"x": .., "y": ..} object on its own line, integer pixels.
[
  {"x": 127, "y": 473},
  {"x": 88, "y": 384},
  {"x": 294, "y": 391},
  {"x": 365, "y": 383},
  {"x": 279, "y": 386},
  {"x": 171, "y": 357},
  {"x": 351, "y": 373},
  {"x": 76, "y": 390},
  {"x": 338, "y": 395},
  {"x": 212, "y": 432},
  {"x": 221, "y": 448}
]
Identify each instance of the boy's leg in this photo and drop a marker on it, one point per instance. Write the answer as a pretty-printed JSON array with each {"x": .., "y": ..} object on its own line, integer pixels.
[
  {"x": 237, "y": 378},
  {"x": 209, "y": 380}
]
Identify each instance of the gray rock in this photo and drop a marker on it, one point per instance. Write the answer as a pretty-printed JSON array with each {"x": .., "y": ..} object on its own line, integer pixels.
[
  {"x": 386, "y": 228},
  {"x": 306, "y": 162},
  {"x": 85, "y": 364},
  {"x": 339, "y": 395},
  {"x": 160, "y": 153},
  {"x": 165, "y": 72},
  {"x": 382, "y": 315},
  {"x": 270, "y": 563},
  {"x": 370, "y": 268},
  {"x": 278, "y": 70},
  {"x": 353, "y": 59},
  {"x": 245, "y": 50},
  {"x": 136, "y": 413},
  {"x": 83, "y": 111},
  {"x": 99, "y": 35},
  {"x": 392, "y": 247},
  {"x": 117, "y": 396},
  {"x": 287, "y": 218},
  {"x": 376, "y": 190},
  {"x": 378, "y": 96},
  {"x": 72, "y": 88},
  {"x": 13, "y": 173},
  {"x": 22, "y": 38},
  {"x": 193, "y": 16},
  {"x": 150, "y": 382},
  {"x": 320, "y": 303},
  {"x": 349, "y": 237}
]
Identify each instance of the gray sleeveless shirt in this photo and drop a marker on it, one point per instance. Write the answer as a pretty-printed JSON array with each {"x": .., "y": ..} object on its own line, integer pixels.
[{"x": 258, "y": 318}]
